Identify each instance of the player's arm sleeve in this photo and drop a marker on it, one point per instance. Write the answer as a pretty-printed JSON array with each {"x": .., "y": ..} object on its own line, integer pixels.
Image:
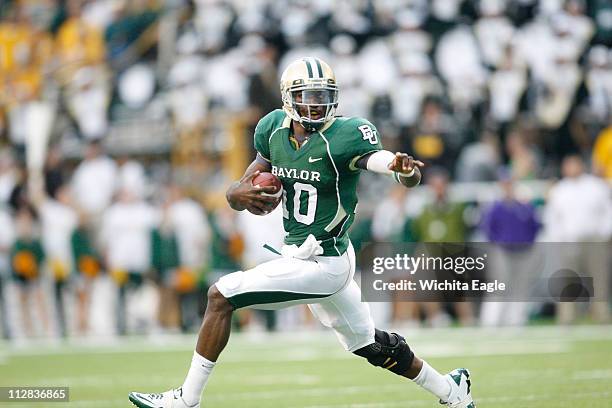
[
  {"x": 261, "y": 142},
  {"x": 362, "y": 139}
]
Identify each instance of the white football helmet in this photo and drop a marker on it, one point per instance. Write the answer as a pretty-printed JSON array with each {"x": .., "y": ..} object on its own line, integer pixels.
[{"x": 310, "y": 93}]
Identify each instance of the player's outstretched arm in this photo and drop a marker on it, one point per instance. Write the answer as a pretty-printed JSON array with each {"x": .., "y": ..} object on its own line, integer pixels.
[
  {"x": 242, "y": 194},
  {"x": 402, "y": 167}
]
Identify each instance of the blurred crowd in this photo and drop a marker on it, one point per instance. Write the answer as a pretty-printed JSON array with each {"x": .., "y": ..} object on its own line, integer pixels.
[
  {"x": 464, "y": 84},
  {"x": 532, "y": 233},
  {"x": 108, "y": 249},
  {"x": 481, "y": 90}
]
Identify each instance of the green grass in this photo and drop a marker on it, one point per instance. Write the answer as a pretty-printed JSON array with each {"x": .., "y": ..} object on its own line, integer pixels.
[{"x": 534, "y": 367}]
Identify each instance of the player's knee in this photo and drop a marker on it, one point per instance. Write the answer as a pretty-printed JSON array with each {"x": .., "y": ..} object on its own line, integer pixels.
[
  {"x": 217, "y": 302},
  {"x": 389, "y": 351}
]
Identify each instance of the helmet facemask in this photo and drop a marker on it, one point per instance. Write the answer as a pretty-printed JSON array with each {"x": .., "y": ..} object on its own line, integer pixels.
[{"x": 312, "y": 105}]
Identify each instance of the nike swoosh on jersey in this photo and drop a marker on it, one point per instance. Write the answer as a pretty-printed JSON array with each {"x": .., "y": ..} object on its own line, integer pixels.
[{"x": 311, "y": 160}]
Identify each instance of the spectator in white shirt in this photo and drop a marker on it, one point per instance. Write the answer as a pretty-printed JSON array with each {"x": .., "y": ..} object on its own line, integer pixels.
[
  {"x": 127, "y": 227},
  {"x": 377, "y": 67},
  {"x": 579, "y": 206},
  {"x": 494, "y": 31},
  {"x": 415, "y": 84},
  {"x": 579, "y": 210},
  {"x": 94, "y": 181},
  {"x": 580, "y": 26},
  {"x": 507, "y": 85},
  {"x": 559, "y": 79},
  {"x": 190, "y": 223},
  {"x": 458, "y": 60},
  {"x": 354, "y": 100},
  {"x": 599, "y": 83},
  {"x": 131, "y": 177},
  {"x": 58, "y": 222},
  {"x": 410, "y": 37}
]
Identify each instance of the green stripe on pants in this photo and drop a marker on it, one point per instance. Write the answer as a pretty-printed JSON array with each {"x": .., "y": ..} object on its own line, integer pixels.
[{"x": 260, "y": 298}]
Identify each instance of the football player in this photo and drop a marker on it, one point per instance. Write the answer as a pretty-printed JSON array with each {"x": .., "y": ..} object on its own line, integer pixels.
[{"x": 318, "y": 158}]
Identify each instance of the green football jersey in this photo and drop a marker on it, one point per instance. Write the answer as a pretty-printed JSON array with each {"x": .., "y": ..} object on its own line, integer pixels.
[{"x": 320, "y": 178}]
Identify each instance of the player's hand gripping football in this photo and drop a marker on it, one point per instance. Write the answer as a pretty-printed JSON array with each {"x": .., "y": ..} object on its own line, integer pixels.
[
  {"x": 244, "y": 195},
  {"x": 402, "y": 163}
]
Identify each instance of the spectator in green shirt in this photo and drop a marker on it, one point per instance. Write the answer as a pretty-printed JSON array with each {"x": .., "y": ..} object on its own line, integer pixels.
[
  {"x": 27, "y": 258},
  {"x": 442, "y": 222}
]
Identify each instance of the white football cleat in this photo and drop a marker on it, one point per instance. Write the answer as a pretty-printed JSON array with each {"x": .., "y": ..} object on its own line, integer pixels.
[
  {"x": 460, "y": 395},
  {"x": 168, "y": 399}
]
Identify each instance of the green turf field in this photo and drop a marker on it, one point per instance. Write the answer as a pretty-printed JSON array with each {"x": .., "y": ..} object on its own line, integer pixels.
[{"x": 535, "y": 367}]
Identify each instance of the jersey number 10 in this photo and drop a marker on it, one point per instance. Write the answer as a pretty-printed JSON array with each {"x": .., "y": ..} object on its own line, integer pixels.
[{"x": 311, "y": 203}]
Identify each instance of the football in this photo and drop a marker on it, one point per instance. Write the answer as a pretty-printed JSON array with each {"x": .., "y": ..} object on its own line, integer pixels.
[{"x": 268, "y": 179}]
